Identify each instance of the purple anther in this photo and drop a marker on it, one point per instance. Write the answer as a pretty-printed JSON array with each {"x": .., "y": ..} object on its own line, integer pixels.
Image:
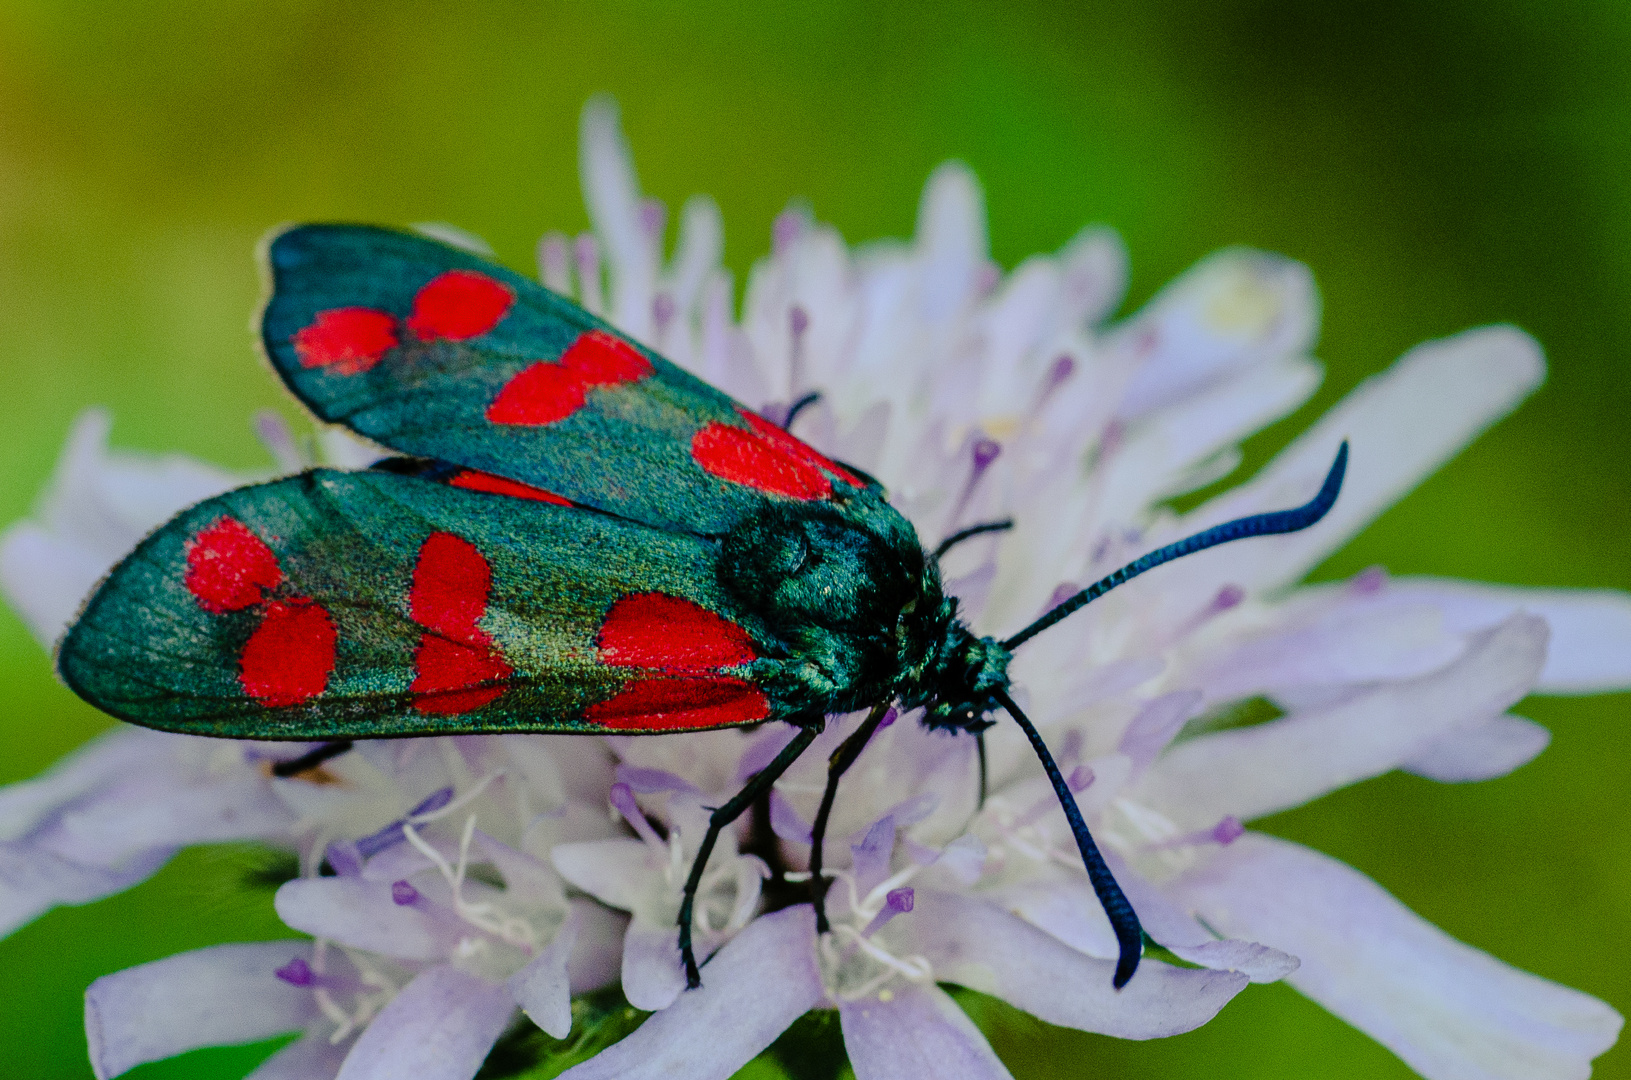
[
  {"x": 895, "y": 902},
  {"x": 403, "y": 893},
  {"x": 890, "y": 715},
  {"x": 653, "y": 216},
  {"x": 662, "y": 309},
  {"x": 1080, "y": 778},
  {"x": 1063, "y": 368},
  {"x": 985, "y": 451},
  {"x": 1228, "y": 830},
  {"x": 1369, "y": 581},
  {"x": 799, "y": 320},
  {"x": 622, "y": 799},
  {"x": 296, "y": 973},
  {"x": 433, "y": 802},
  {"x": 1229, "y": 596},
  {"x": 788, "y": 226}
]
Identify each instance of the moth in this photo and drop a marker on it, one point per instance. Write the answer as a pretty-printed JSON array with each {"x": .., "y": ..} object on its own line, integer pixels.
[{"x": 572, "y": 535}]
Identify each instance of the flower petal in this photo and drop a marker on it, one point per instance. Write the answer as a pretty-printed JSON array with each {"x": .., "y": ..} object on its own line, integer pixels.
[
  {"x": 1481, "y": 751},
  {"x": 752, "y": 989},
  {"x": 652, "y": 975},
  {"x": 1252, "y": 771},
  {"x": 985, "y": 948},
  {"x": 1402, "y": 424},
  {"x": 908, "y": 1031},
  {"x": 311, "y": 1058},
  {"x": 1591, "y": 628},
  {"x": 33, "y": 881},
  {"x": 615, "y": 872},
  {"x": 360, "y": 913},
  {"x": 1450, "y": 1011},
  {"x": 542, "y": 988},
  {"x": 597, "y": 958},
  {"x": 440, "y": 1027},
  {"x": 208, "y": 997}
]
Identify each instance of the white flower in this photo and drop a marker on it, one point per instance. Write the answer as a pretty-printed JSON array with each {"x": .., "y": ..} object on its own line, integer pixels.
[{"x": 974, "y": 397}]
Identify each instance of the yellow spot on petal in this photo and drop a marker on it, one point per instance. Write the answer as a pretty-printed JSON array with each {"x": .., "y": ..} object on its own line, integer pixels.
[{"x": 1242, "y": 304}]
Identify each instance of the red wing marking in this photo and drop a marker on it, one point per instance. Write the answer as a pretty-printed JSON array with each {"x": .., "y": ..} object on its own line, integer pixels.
[
  {"x": 681, "y": 704},
  {"x": 545, "y": 392},
  {"x": 471, "y": 480},
  {"x": 451, "y": 584},
  {"x": 666, "y": 633},
  {"x": 230, "y": 568},
  {"x": 447, "y": 675},
  {"x": 767, "y": 459},
  {"x": 288, "y": 658},
  {"x": 347, "y": 340},
  {"x": 458, "y": 305}
]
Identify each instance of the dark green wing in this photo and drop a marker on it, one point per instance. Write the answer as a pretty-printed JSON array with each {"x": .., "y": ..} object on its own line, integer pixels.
[
  {"x": 346, "y": 605},
  {"x": 437, "y": 353}
]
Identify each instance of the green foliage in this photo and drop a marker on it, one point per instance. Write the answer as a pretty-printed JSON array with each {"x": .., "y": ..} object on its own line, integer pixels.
[{"x": 527, "y": 1053}]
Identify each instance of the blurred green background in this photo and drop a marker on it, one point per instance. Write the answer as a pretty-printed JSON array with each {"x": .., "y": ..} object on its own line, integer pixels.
[{"x": 1438, "y": 166}]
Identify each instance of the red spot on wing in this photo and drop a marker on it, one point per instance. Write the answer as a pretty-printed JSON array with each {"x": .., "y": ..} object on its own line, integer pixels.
[
  {"x": 471, "y": 480},
  {"x": 448, "y": 674},
  {"x": 666, "y": 633},
  {"x": 545, "y": 392},
  {"x": 459, "y": 305},
  {"x": 230, "y": 568},
  {"x": 288, "y": 658},
  {"x": 766, "y": 458},
  {"x": 348, "y": 340},
  {"x": 451, "y": 584},
  {"x": 681, "y": 704}
]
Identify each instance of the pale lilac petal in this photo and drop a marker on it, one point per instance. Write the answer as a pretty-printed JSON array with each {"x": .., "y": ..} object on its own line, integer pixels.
[
  {"x": 119, "y": 752},
  {"x": 983, "y": 947},
  {"x": 1402, "y": 425},
  {"x": 440, "y": 1027},
  {"x": 543, "y": 989},
  {"x": 951, "y": 240},
  {"x": 1232, "y": 310},
  {"x": 46, "y": 579},
  {"x": 1155, "y": 725},
  {"x": 652, "y": 974},
  {"x": 362, "y": 914},
  {"x": 615, "y": 872},
  {"x": 1481, "y": 751},
  {"x": 33, "y": 881},
  {"x": 1450, "y": 1011},
  {"x": 311, "y": 1058},
  {"x": 1252, "y": 771},
  {"x": 208, "y": 997},
  {"x": 149, "y": 810},
  {"x": 909, "y": 1031},
  {"x": 612, "y": 194},
  {"x": 752, "y": 989},
  {"x": 597, "y": 959},
  {"x": 1591, "y": 628}
]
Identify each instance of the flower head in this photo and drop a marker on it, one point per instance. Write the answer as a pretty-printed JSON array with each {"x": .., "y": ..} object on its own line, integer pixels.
[{"x": 448, "y": 883}]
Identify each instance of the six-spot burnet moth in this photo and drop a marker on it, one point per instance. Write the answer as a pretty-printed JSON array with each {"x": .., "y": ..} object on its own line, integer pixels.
[{"x": 578, "y": 537}]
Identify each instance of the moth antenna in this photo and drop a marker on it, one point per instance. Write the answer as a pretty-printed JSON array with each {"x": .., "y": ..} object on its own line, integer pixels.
[
  {"x": 1123, "y": 920},
  {"x": 799, "y": 406},
  {"x": 1279, "y": 521},
  {"x": 973, "y": 530}
]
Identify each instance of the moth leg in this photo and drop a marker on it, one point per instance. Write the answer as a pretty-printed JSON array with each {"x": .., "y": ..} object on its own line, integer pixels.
[
  {"x": 799, "y": 406},
  {"x": 311, "y": 758},
  {"x": 837, "y": 765},
  {"x": 979, "y": 745},
  {"x": 723, "y": 816}
]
